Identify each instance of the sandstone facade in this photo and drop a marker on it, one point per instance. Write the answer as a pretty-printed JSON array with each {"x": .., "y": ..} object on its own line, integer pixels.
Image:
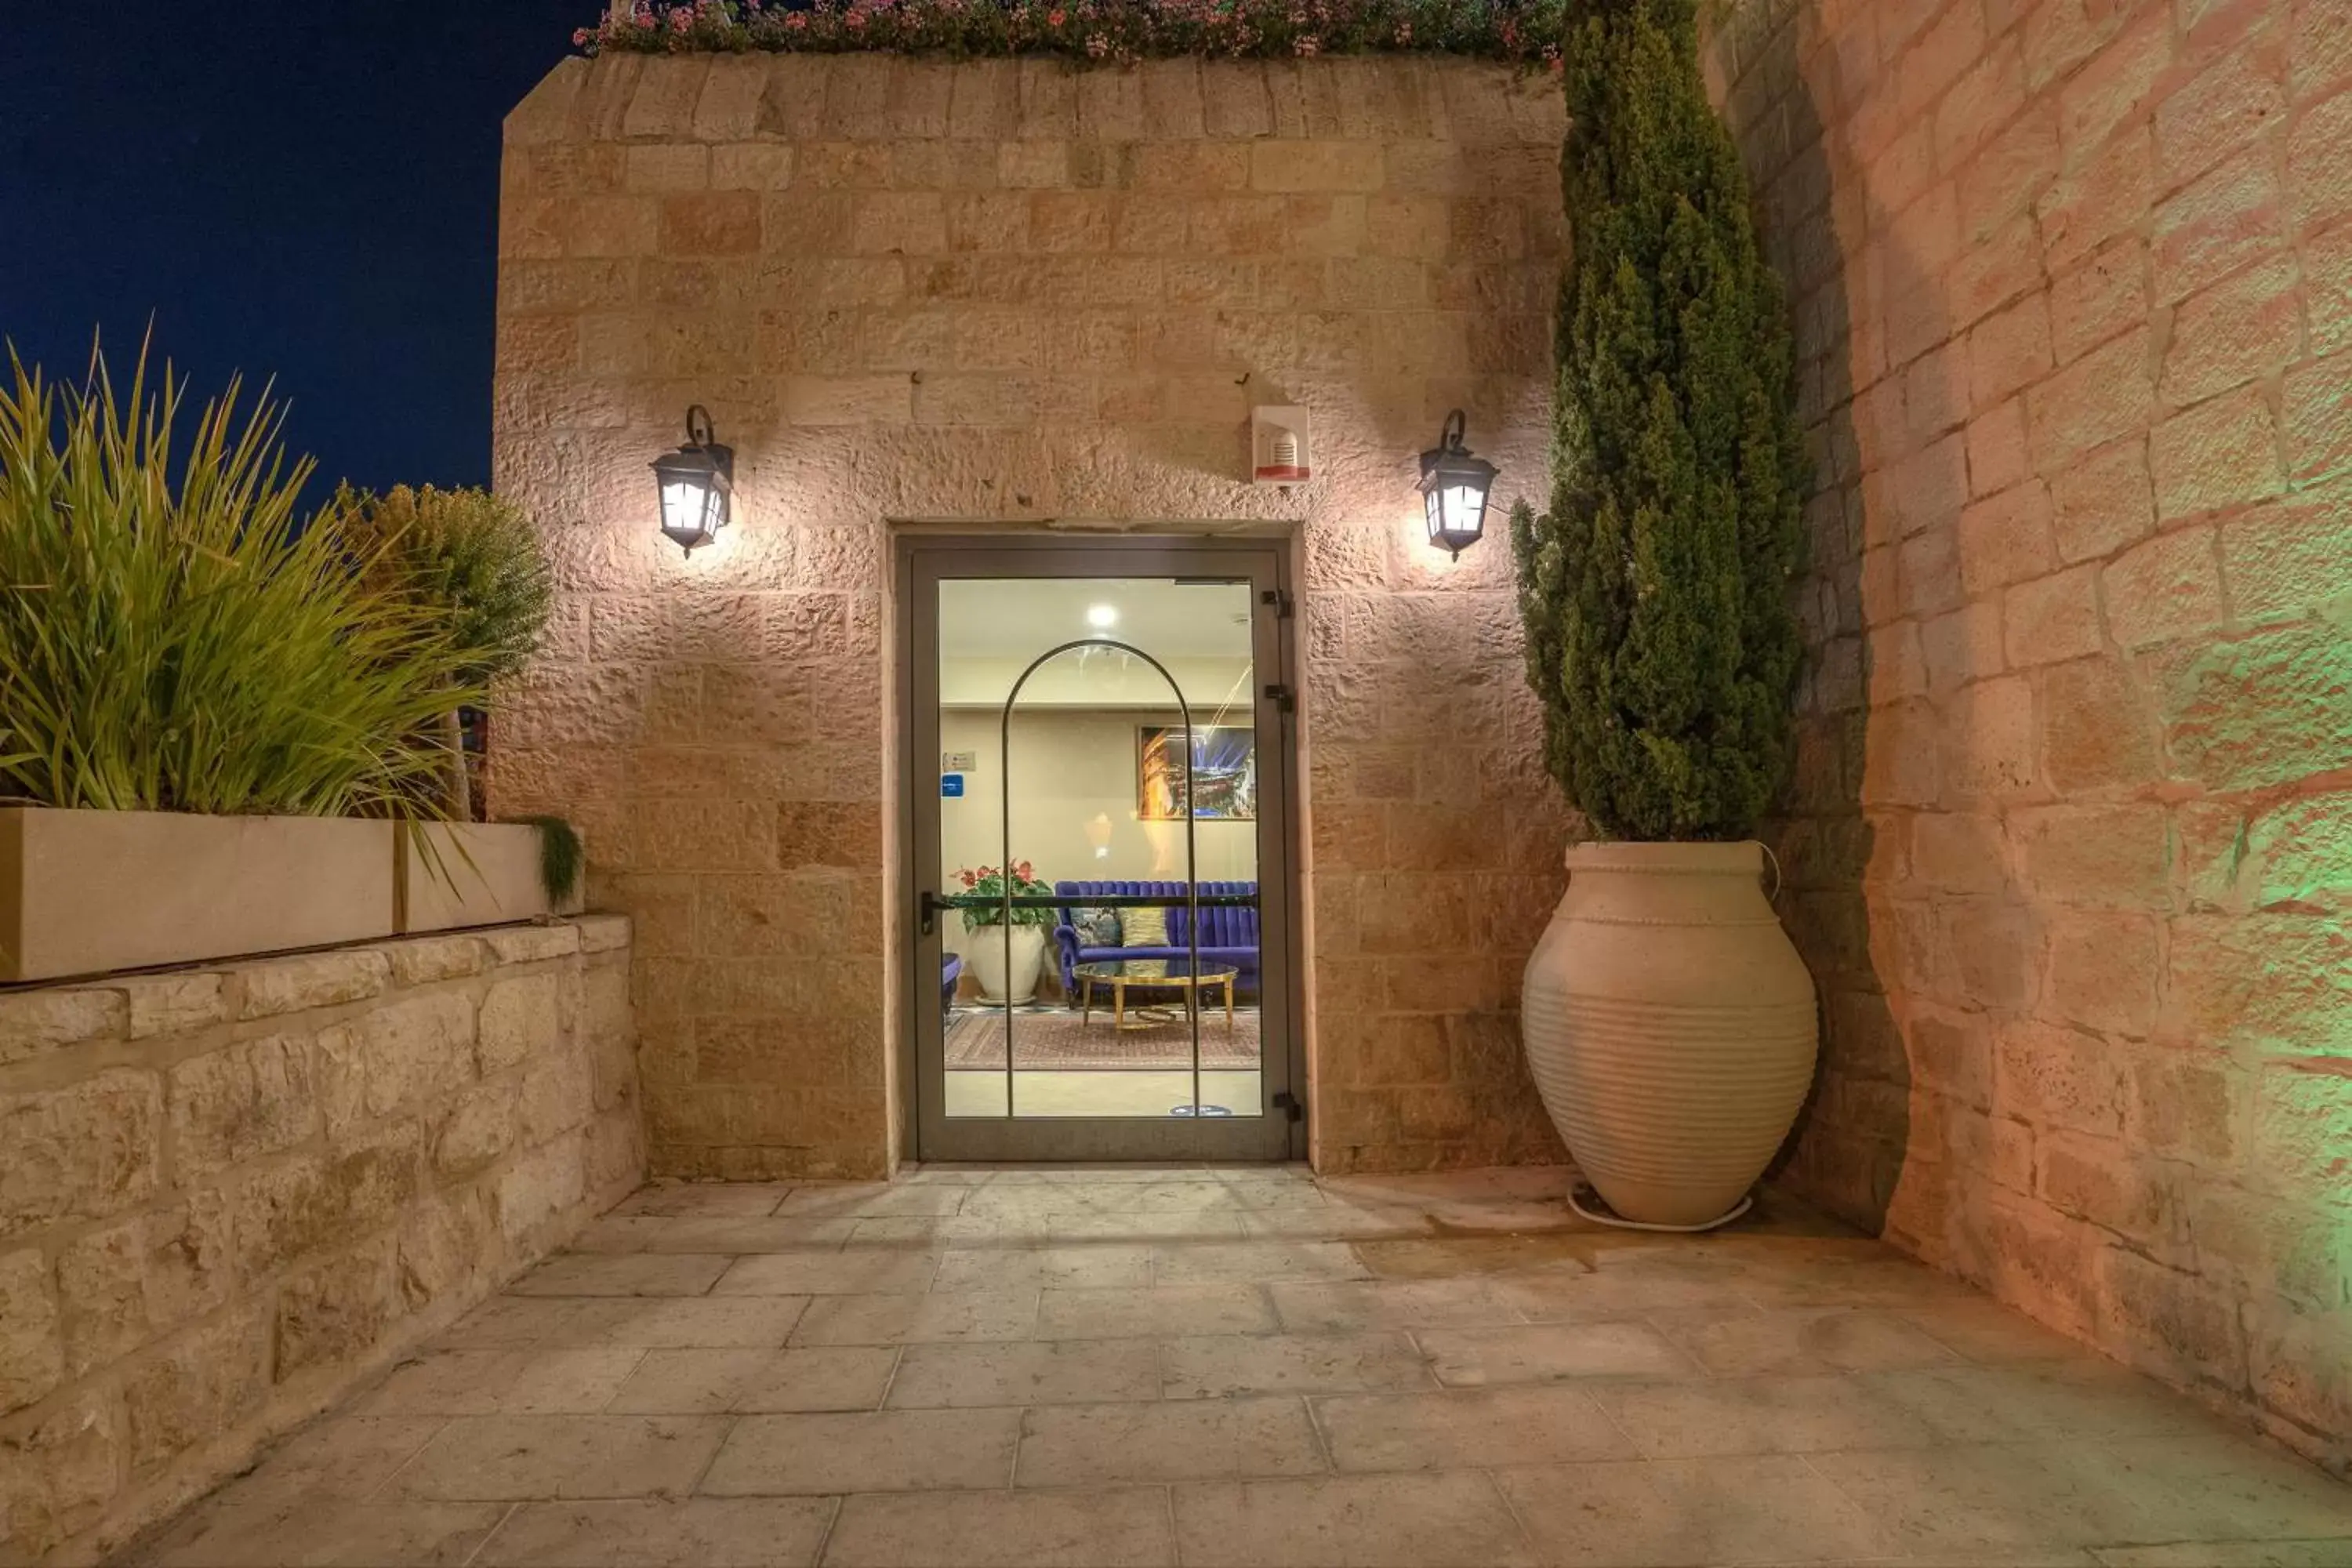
[
  {"x": 991, "y": 295},
  {"x": 228, "y": 1195},
  {"x": 2073, "y": 283}
]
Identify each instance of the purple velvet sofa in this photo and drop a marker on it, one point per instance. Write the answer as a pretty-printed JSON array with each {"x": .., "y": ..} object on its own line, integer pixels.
[{"x": 1228, "y": 935}]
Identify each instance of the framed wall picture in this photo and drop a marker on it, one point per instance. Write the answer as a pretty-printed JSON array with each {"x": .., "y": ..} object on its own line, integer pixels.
[{"x": 1224, "y": 773}]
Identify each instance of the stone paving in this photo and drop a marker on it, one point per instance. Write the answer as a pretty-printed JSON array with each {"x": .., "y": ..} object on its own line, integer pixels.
[{"x": 1241, "y": 1366}]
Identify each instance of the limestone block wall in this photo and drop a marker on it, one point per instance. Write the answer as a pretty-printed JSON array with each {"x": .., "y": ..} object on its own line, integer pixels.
[
  {"x": 228, "y": 1194},
  {"x": 2072, "y": 844},
  {"x": 993, "y": 294}
]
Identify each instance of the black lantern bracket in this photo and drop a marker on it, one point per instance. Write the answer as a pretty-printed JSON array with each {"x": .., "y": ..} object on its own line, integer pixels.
[
  {"x": 1454, "y": 485},
  {"x": 697, "y": 484}
]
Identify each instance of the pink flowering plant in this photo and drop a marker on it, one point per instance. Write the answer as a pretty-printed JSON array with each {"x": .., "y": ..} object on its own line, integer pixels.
[
  {"x": 988, "y": 882},
  {"x": 1526, "y": 32}
]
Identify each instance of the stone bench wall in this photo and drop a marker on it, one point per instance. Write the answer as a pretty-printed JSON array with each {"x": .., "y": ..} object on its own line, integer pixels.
[{"x": 228, "y": 1195}]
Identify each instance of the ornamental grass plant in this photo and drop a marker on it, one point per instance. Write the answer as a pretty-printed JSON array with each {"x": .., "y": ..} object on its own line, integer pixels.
[
  {"x": 174, "y": 637},
  {"x": 1656, "y": 591}
]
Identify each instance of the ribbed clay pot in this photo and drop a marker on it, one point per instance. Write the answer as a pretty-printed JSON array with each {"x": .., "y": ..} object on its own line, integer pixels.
[{"x": 1670, "y": 1024}]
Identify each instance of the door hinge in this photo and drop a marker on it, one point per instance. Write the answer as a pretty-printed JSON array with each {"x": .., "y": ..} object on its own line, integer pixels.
[
  {"x": 1279, "y": 601},
  {"x": 1279, "y": 693},
  {"x": 1288, "y": 1103}
]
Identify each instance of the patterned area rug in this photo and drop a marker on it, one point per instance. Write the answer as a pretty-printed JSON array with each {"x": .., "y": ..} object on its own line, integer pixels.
[{"x": 1053, "y": 1038}]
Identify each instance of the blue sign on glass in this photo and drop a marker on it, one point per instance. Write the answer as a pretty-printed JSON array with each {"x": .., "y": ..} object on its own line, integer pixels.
[{"x": 951, "y": 785}]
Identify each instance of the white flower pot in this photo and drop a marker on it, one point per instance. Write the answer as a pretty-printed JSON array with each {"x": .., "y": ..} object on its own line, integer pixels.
[
  {"x": 985, "y": 947},
  {"x": 1670, "y": 1026}
]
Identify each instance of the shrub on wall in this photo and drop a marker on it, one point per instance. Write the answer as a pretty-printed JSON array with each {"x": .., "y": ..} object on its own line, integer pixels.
[
  {"x": 1093, "y": 30},
  {"x": 1656, "y": 591},
  {"x": 474, "y": 560},
  {"x": 174, "y": 637}
]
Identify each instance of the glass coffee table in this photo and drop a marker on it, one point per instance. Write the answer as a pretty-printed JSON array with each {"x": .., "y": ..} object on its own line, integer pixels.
[{"x": 1152, "y": 975}]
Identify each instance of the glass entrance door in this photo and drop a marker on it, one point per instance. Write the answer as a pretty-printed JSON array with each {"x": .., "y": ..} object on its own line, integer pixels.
[{"x": 1099, "y": 760}]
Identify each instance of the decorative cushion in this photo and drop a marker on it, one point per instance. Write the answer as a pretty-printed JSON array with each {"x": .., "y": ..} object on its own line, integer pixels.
[
  {"x": 1143, "y": 927},
  {"x": 1096, "y": 928}
]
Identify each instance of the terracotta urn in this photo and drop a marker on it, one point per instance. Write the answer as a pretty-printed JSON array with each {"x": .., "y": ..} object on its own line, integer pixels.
[{"x": 1670, "y": 1026}]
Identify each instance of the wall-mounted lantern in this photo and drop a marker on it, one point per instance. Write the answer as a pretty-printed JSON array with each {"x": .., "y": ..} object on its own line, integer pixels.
[
  {"x": 697, "y": 485},
  {"x": 1453, "y": 485}
]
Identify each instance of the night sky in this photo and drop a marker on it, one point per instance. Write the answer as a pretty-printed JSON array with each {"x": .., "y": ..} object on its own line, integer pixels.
[{"x": 304, "y": 189}]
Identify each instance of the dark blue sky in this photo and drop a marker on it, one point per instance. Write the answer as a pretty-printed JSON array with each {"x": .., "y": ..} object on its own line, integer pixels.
[{"x": 306, "y": 189}]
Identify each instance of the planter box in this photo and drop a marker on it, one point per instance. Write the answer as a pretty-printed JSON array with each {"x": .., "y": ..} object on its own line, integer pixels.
[
  {"x": 480, "y": 873},
  {"x": 84, "y": 892}
]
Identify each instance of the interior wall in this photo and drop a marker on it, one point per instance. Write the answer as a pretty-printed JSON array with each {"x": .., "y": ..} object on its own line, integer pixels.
[
  {"x": 1074, "y": 804},
  {"x": 2073, "y": 287}
]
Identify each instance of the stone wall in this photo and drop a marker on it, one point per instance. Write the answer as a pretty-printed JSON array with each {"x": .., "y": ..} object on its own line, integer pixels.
[
  {"x": 2073, "y": 842},
  {"x": 994, "y": 294},
  {"x": 228, "y": 1194}
]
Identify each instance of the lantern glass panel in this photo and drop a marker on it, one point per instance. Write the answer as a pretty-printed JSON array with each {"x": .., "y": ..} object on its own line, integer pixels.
[
  {"x": 1465, "y": 509},
  {"x": 686, "y": 505}
]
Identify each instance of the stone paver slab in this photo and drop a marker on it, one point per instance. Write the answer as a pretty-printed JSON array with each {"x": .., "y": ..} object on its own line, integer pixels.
[
  {"x": 1363, "y": 1522},
  {"x": 1467, "y": 1428},
  {"x": 1218, "y": 1366},
  {"x": 1464, "y": 1358},
  {"x": 346, "y": 1457},
  {"x": 1978, "y": 1497},
  {"x": 623, "y": 1274},
  {"x": 1167, "y": 1310},
  {"x": 2090, "y": 1400},
  {"x": 1801, "y": 1341},
  {"x": 1698, "y": 1417},
  {"x": 1175, "y": 1440},
  {"x": 1256, "y": 1261},
  {"x": 886, "y": 1450},
  {"x": 1052, "y": 1267},
  {"x": 2220, "y": 1485},
  {"x": 1353, "y": 1305},
  {"x": 729, "y": 1199},
  {"x": 505, "y": 1383},
  {"x": 871, "y": 1200},
  {"x": 830, "y": 1274},
  {"x": 1123, "y": 1529},
  {"x": 1981, "y": 1330},
  {"x": 945, "y": 1316},
  {"x": 1064, "y": 1226},
  {"x": 326, "y": 1535},
  {"x": 484, "y": 1458},
  {"x": 701, "y": 1322},
  {"x": 690, "y": 1381},
  {"x": 689, "y": 1532},
  {"x": 1667, "y": 1515},
  {"x": 2231, "y": 1555},
  {"x": 1068, "y": 1372},
  {"x": 829, "y": 1378}
]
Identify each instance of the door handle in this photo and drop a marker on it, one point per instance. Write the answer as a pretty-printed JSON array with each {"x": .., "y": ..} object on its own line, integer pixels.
[{"x": 928, "y": 908}]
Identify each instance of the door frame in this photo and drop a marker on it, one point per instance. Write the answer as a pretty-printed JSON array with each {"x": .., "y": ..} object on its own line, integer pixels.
[{"x": 919, "y": 559}]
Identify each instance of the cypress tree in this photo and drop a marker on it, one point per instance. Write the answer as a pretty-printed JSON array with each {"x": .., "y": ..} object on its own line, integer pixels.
[{"x": 1656, "y": 591}]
